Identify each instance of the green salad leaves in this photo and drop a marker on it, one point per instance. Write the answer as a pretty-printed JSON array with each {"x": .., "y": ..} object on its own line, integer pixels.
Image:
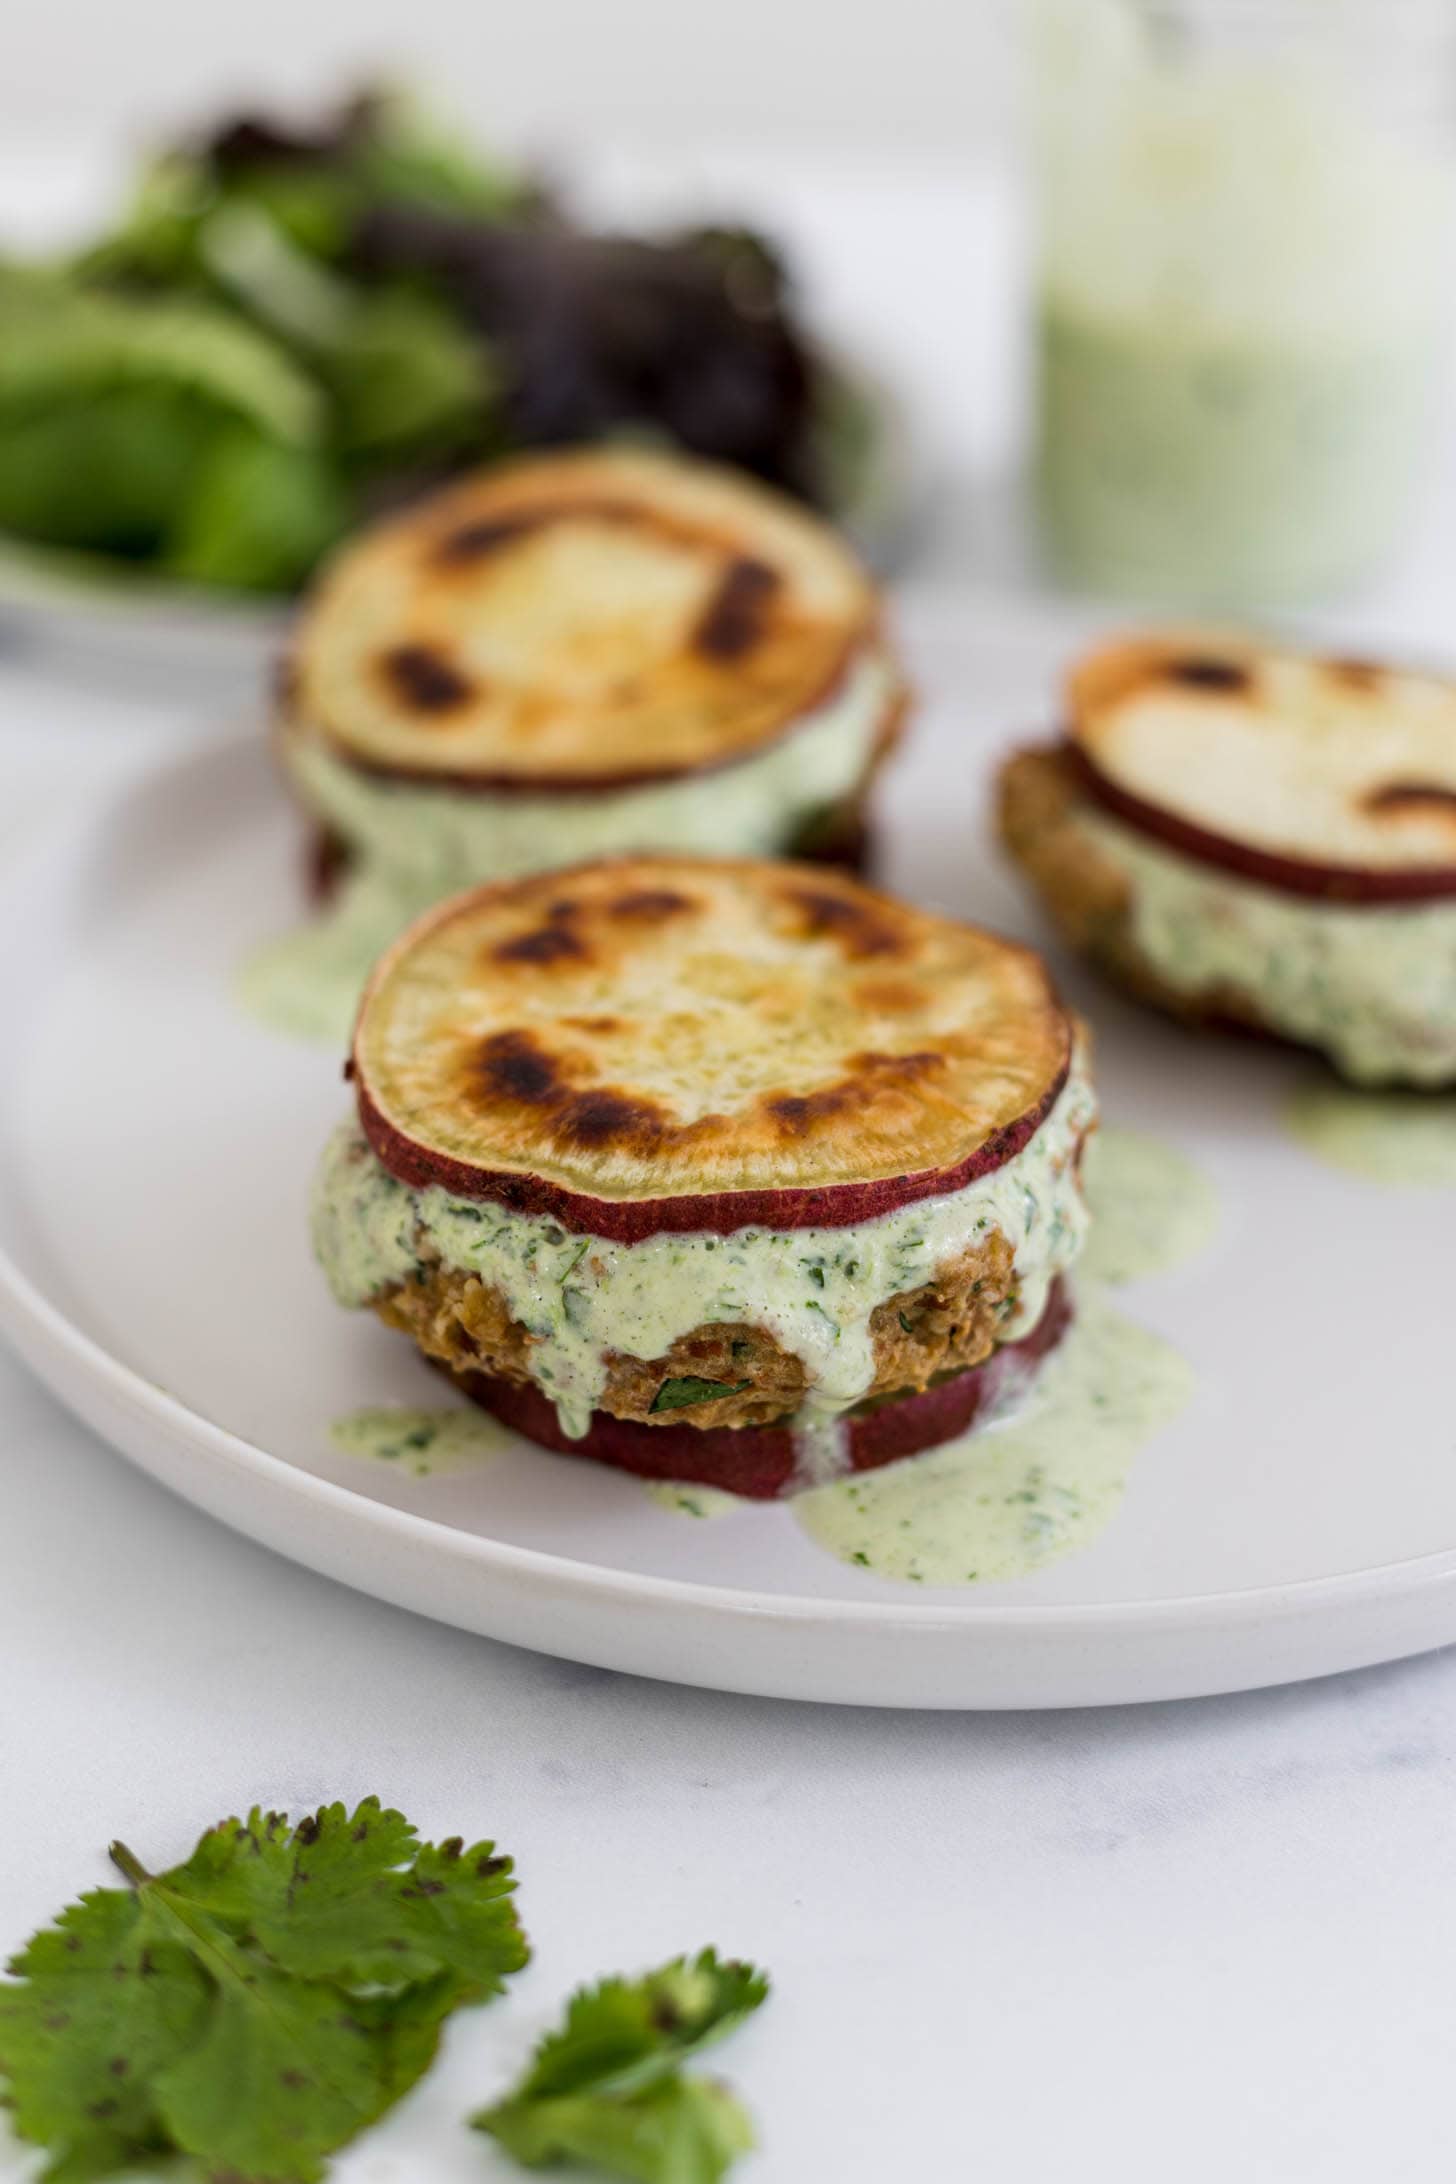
[
  {"x": 609, "y": 2087},
  {"x": 256, "y": 2006},
  {"x": 292, "y": 327},
  {"x": 210, "y": 391},
  {"x": 141, "y": 428}
]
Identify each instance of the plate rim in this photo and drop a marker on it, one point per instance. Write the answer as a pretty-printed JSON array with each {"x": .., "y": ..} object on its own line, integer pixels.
[{"x": 49, "y": 1340}]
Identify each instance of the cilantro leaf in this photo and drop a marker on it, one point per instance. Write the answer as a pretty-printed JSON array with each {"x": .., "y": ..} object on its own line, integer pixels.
[
  {"x": 608, "y": 2087},
  {"x": 680, "y": 1394},
  {"x": 356, "y": 1897},
  {"x": 624, "y": 2033},
  {"x": 259, "y": 2004},
  {"x": 684, "y": 2131}
]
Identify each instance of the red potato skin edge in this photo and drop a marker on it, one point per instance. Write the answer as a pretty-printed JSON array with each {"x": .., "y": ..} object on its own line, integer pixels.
[
  {"x": 721, "y": 1213},
  {"x": 1286, "y": 875},
  {"x": 758, "y": 1462}
]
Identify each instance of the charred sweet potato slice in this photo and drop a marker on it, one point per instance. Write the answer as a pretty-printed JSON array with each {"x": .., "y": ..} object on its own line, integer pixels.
[
  {"x": 579, "y": 620},
  {"x": 652, "y": 1044},
  {"x": 1313, "y": 774}
]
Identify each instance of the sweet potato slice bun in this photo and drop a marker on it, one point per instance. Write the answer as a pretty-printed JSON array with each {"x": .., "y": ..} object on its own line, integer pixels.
[
  {"x": 654, "y": 1043},
  {"x": 589, "y": 619},
  {"x": 1318, "y": 776}
]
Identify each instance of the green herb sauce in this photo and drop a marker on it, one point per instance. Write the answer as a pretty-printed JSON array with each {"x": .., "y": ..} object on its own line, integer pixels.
[
  {"x": 814, "y": 1289},
  {"x": 1372, "y": 987},
  {"x": 427, "y": 1443},
  {"x": 1151, "y": 1208},
  {"x": 1389, "y": 1137},
  {"x": 1011, "y": 1497},
  {"x": 307, "y": 983},
  {"x": 1157, "y": 440},
  {"x": 1243, "y": 265},
  {"x": 694, "y": 1501}
]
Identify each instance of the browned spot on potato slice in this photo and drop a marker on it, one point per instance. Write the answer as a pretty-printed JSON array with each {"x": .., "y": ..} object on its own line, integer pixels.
[
  {"x": 514, "y": 1067},
  {"x": 547, "y": 944},
  {"x": 472, "y": 542},
  {"x": 1358, "y": 674},
  {"x": 855, "y": 921},
  {"x": 424, "y": 680},
  {"x": 734, "y": 618},
  {"x": 1205, "y": 671},
  {"x": 1411, "y": 796},
  {"x": 870, "y": 1078},
  {"x": 887, "y": 996},
  {"x": 468, "y": 543},
  {"x": 602, "y": 1117},
  {"x": 649, "y": 905}
]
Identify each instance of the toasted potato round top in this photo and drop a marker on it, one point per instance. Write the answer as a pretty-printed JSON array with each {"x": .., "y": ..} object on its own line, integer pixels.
[
  {"x": 663, "y": 1043},
  {"x": 1341, "y": 765},
  {"x": 578, "y": 620}
]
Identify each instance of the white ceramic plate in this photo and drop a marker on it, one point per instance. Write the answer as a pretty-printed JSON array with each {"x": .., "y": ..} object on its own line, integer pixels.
[
  {"x": 155, "y": 1152},
  {"x": 85, "y": 606}
]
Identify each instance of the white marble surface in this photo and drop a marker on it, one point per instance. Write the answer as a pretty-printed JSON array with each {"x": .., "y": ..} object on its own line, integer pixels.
[
  {"x": 1206, "y": 1941},
  {"x": 1213, "y": 1940}
]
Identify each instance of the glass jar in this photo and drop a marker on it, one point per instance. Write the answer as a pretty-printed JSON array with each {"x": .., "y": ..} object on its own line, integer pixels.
[{"x": 1246, "y": 212}]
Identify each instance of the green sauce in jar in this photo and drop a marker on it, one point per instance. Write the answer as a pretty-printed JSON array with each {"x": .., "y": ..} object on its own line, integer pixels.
[{"x": 1245, "y": 254}]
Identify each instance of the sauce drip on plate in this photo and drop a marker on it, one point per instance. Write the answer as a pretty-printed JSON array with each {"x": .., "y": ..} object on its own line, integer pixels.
[
  {"x": 1007, "y": 1500},
  {"x": 1388, "y": 1137}
]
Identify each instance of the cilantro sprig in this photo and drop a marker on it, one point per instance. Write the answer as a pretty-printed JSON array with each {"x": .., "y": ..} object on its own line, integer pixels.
[
  {"x": 609, "y": 2088},
  {"x": 259, "y": 2005},
  {"x": 256, "y": 2006}
]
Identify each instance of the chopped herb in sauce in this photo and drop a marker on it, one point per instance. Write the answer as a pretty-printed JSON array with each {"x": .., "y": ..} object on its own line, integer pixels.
[{"x": 682, "y": 1394}]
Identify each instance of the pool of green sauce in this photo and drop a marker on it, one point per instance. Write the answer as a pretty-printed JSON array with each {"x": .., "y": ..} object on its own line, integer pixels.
[
  {"x": 307, "y": 983},
  {"x": 1152, "y": 1207},
  {"x": 425, "y": 1443},
  {"x": 1388, "y": 1137},
  {"x": 1003, "y": 1502},
  {"x": 1160, "y": 431},
  {"x": 1012, "y": 1496}
]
